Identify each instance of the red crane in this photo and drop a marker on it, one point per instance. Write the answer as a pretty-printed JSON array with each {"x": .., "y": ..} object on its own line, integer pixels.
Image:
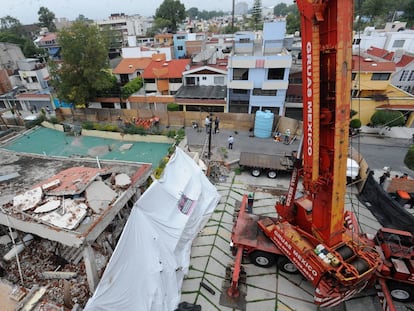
[{"x": 310, "y": 229}]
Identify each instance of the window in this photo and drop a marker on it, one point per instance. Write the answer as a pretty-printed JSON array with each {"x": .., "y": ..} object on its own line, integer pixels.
[
  {"x": 190, "y": 80},
  {"x": 204, "y": 78},
  {"x": 180, "y": 48},
  {"x": 411, "y": 77},
  {"x": 240, "y": 74},
  {"x": 149, "y": 81},
  {"x": 398, "y": 43},
  {"x": 219, "y": 80},
  {"x": 239, "y": 91},
  {"x": 276, "y": 74},
  {"x": 176, "y": 80},
  {"x": 34, "y": 80},
  {"x": 404, "y": 75},
  {"x": 124, "y": 78},
  {"x": 356, "y": 41},
  {"x": 260, "y": 92},
  {"x": 380, "y": 76},
  {"x": 180, "y": 37},
  {"x": 353, "y": 76}
]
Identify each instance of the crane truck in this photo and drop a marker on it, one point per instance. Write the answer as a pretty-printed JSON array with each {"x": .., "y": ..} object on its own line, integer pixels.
[{"x": 309, "y": 234}]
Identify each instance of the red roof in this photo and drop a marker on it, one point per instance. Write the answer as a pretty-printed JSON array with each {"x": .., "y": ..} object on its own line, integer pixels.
[
  {"x": 130, "y": 65},
  {"x": 374, "y": 51},
  {"x": 48, "y": 37},
  {"x": 405, "y": 60},
  {"x": 370, "y": 65},
  {"x": 166, "y": 69},
  {"x": 387, "y": 55}
]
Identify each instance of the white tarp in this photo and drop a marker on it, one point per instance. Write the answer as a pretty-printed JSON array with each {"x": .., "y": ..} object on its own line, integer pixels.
[{"x": 146, "y": 270}]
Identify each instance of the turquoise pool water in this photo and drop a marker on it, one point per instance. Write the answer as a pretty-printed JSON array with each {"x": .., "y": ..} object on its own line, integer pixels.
[{"x": 55, "y": 143}]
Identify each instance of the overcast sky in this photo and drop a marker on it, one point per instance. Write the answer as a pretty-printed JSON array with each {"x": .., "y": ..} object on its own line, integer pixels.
[{"x": 26, "y": 10}]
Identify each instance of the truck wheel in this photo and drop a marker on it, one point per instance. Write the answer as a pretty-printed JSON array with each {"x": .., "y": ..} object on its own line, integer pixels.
[
  {"x": 262, "y": 259},
  {"x": 272, "y": 174},
  {"x": 256, "y": 172},
  {"x": 401, "y": 292},
  {"x": 285, "y": 265}
]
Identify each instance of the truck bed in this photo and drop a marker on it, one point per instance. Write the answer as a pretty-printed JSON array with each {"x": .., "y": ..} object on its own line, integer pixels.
[{"x": 280, "y": 162}]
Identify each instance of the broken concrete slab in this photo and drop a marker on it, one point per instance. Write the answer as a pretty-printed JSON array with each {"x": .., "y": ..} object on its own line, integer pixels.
[
  {"x": 122, "y": 180},
  {"x": 47, "y": 207},
  {"x": 99, "y": 196},
  {"x": 51, "y": 185},
  {"x": 29, "y": 199},
  {"x": 67, "y": 217}
]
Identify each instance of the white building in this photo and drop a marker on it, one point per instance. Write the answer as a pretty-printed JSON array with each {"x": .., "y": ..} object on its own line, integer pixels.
[
  {"x": 392, "y": 38},
  {"x": 134, "y": 25}
]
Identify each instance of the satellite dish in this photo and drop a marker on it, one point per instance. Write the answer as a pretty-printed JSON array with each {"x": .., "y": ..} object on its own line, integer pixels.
[{"x": 187, "y": 67}]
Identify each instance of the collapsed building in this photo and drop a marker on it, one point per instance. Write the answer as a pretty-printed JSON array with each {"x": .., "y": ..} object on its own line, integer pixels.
[{"x": 60, "y": 220}]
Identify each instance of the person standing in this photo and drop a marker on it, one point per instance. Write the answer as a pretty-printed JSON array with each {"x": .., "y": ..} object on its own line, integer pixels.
[
  {"x": 207, "y": 123},
  {"x": 216, "y": 125},
  {"x": 230, "y": 141},
  {"x": 287, "y": 136}
]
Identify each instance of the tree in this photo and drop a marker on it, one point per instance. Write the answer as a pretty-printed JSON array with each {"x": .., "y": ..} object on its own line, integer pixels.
[
  {"x": 257, "y": 14},
  {"x": 85, "y": 61},
  {"x": 387, "y": 118},
  {"x": 46, "y": 18},
  {"x": 173, "y": 11},
  {"x": 281, "y": 9},
  {"x": 293, "y": 22},
  {"x": 193, "y": 13},
  {"x": 409, "y": 13},
  {"x": 9, "y": 23},
  {"x": 11, "y": 32}
]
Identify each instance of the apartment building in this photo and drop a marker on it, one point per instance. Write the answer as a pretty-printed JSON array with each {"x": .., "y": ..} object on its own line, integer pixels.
[{"x": 258, "y": 74}]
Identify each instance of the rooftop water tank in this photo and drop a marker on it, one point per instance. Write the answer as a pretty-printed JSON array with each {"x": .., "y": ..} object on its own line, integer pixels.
[{"x": 263, "y": 124}]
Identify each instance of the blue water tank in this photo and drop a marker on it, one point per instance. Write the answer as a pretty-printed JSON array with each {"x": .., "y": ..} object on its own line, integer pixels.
[{"x": 263, "y": 124}]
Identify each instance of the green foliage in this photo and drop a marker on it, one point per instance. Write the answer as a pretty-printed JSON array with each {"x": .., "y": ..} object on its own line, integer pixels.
[
  {"x": 132, "y": 129},
  {"x": 46, "y": 18},
  {"x": 105, "y": 127},
  {"x": 257, "y": 14},
  {"x": 409, "y": 158},
  {"x": 387, "y": 118},
  {"x": 281, "y": 9},
  {"x": 173, "y": 107},
  {"x": 87, "y": 125},
  {"x": 293, "y": 21},
  {"x": 355, "y": 124},
  {"x": 131, "y": 87},
  {"x": 230, "y": 29},
  {"x": 194, "y": 13},
  {"x": 171, "y": 133},
  {"x": 53, "y": 120},
  {"x": 85, "y": 60},
  {"x": 172, "y": 11},
  {"x": 237, "y": 171},
  {"x": 11, "y": 31}
]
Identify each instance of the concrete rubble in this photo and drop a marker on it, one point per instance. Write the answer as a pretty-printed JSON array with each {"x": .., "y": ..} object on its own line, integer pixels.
[{"x": 58, "y": 233}]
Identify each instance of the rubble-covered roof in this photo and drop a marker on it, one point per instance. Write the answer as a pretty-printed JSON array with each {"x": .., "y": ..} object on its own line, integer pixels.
[{"x": 70, "y": 206}]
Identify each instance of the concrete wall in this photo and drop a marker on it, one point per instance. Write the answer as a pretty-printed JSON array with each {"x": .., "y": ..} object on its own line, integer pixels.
[{"x": 176, "y": 119}]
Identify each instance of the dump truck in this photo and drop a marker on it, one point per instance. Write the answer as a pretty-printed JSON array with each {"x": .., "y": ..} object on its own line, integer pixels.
[{"x": 269, "y": 164}]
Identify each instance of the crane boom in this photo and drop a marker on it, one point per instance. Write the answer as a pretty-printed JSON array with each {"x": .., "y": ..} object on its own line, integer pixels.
[{"x": 327, "y": 64}]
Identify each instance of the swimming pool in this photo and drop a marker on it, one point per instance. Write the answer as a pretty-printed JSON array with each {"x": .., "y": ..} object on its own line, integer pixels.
[{"x": 50, "y": 142}]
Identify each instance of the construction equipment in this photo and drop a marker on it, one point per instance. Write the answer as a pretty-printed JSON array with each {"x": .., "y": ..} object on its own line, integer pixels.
[{"x": 309, "y": 234}]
